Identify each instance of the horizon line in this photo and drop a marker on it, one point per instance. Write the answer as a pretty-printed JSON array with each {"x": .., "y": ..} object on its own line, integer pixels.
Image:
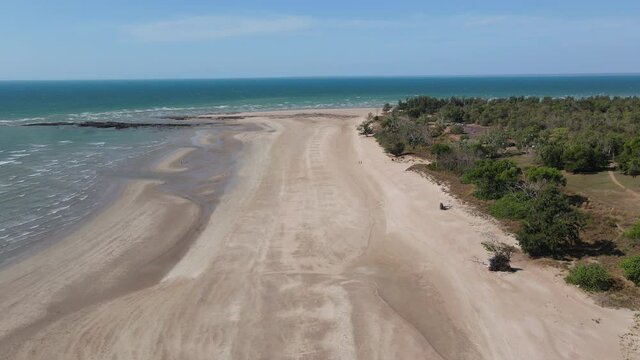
[{"x": 595, "y": 74}]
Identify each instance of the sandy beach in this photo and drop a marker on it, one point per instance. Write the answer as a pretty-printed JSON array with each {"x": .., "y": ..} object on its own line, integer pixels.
[{"x": 319, "y": 247}]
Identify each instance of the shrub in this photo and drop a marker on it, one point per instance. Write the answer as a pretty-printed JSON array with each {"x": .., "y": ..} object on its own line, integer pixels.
[
  {"x": 633, "y": 167},
  {"x": 631, "y": 268},
  {"x": 501, "y": 255},
  {"x": 515, "y": 205},
  {"x": 544, "y": 174},
  {"x": 387, "y": 107},
  {"x": 551, "y": 226},
  {"x": 456, "y": 129},
  {"x": 440, "y": 149},
  {"x": 396, "y": 149},
  {"x": 494, "y": 178},
  {"x": 633, "y": 232},
  {"x": 591, "y": 277},
  {"x": 437, "y": 130},
  {"x": 365, "y": 128}
]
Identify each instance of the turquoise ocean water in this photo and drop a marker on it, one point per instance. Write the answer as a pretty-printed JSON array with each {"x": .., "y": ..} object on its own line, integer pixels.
[{"x": 50, "y": 176}]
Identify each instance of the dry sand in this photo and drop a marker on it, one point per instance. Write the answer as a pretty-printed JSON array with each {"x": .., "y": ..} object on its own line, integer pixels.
[{"x": 322, "y": 248}]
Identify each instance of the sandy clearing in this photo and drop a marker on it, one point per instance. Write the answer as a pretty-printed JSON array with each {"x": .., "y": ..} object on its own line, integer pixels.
[{"x": 322, "y": 248}]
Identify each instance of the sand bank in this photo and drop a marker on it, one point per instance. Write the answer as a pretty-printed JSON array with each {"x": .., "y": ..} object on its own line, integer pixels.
[
  {"x": 172, "y": 162},
  {"x": 320, "y": 248}
]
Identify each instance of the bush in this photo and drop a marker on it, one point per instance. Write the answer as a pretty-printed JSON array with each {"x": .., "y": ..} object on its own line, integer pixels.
[
  {"x": 365, "y": 128},
  {"x": 437, "y": 130},
  {"x": 633, "y": 232},
  {"x": 515, "y": 205},
  {"x": 456, "y": 129},
  {"x": 440, "y": 149},
  {"x": 396, "y": 149},
  {"x": 544, "y": 174},
  {"x": 501, "y": 255},
  {"x": 631, "y": 268},
  {"x": 591, "y": 277},
  {"x": 494, "y": 178},
  {"x": 551, "y": 226}
]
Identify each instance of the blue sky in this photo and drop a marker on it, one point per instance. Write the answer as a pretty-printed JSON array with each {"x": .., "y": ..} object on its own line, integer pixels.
[{"x": 119, "y": 39}]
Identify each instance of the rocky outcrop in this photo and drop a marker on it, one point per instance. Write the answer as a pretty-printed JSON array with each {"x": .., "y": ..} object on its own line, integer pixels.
[{"x": 117, "y": 125}]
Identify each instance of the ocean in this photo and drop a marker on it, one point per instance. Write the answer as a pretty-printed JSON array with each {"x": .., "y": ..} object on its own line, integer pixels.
[{"x": 51, "y": 178}]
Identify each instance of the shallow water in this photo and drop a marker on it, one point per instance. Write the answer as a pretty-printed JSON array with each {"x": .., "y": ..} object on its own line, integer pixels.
[{"x": 51, "y": 178}]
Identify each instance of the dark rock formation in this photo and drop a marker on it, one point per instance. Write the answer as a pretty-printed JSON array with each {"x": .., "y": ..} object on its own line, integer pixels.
[{"x": 117, "y": 125}]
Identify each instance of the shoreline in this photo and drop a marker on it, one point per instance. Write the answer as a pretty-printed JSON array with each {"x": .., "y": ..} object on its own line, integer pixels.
[
  {"x": 317, "y": 243},
  {"x": 153, "y": 182}
]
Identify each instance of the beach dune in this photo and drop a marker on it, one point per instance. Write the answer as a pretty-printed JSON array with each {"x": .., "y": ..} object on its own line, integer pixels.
[{"x": 322, "y": 247}]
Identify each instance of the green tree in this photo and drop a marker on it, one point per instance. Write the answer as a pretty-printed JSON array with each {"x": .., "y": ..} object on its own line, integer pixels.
[
  {"x": 551, "y": 226},
  {"x": 494, "y": 178},
  {"x": 580, "y": 156},
  {"x": 629, "y": 159},
  {"x": 527, "y": 137},
  {"x": 497, "y": 140},
  {"x": 551, "y": 156},
  {"x": 452, "y": 113}
]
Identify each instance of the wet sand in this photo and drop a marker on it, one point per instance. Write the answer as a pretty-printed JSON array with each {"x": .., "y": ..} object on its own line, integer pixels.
[{"x": 319, "y": 247}]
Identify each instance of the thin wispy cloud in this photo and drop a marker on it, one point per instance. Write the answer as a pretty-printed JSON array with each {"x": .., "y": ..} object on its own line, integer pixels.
[
  {"x": 198, "y": 28},
  {"x": 547, "y": 21},
  {"x": 215, "y": 27},
  {"x": 486, "y": 20}
]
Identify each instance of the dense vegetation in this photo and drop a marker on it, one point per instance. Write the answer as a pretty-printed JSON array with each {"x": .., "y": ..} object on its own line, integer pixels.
[
  {"x": 577, "y": 135},
  {"x": 476, "y": 138}
]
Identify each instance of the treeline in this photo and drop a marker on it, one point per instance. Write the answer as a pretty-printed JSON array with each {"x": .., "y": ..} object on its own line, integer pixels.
[
  {"x": 474, "y": 137},
  {"x": 577, "y": 135}
]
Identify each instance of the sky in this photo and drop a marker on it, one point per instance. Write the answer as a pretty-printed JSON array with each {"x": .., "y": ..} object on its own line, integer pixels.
[{"x": 133, "y": 39}]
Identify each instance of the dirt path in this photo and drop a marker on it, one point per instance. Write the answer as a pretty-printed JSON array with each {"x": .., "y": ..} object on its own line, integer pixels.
[
  {"x": 324, "y": 248},
  {"x": 613, "y": 178}
]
